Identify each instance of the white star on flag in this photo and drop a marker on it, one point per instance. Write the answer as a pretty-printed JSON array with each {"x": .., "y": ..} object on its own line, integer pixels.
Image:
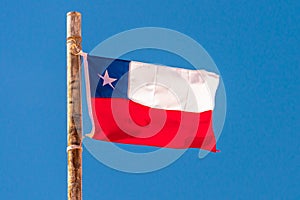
[{"x": 107, "y": 80}]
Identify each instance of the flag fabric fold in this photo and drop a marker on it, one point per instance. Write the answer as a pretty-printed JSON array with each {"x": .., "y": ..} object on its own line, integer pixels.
[{"x": 146, "y": 104}]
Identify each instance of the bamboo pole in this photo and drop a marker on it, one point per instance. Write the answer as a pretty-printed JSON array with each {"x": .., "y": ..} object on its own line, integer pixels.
[{"x": 74, "y": 149}]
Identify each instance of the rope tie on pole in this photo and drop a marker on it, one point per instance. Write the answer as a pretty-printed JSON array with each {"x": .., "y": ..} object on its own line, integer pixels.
[
  {"x": 74, "y": 146},
  {"x": 75, "y": 45}
]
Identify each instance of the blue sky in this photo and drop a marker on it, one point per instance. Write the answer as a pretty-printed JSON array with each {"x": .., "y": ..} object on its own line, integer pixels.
[{"x": 256, "y": 48}]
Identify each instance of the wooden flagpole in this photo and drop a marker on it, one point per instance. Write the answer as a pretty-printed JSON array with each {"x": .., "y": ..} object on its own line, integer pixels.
[{"x": 74, "y": 149}]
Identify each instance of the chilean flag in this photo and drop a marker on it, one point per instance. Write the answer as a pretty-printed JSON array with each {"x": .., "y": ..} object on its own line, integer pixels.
[{"x": 153, "y": 105}]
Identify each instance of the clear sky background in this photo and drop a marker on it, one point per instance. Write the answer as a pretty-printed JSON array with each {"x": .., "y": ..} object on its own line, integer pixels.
[{"x": 256, "y": 48}]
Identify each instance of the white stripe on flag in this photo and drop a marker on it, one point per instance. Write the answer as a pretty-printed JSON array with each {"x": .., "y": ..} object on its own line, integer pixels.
[{"x": 172, "y": 88}]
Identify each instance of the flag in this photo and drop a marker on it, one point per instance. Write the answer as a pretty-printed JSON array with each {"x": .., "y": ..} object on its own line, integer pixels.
[{"x": 152, "y": 105}]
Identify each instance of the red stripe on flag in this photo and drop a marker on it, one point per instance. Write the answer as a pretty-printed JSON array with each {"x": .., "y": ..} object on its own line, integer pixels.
[{"x": 124, "y": 121}]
